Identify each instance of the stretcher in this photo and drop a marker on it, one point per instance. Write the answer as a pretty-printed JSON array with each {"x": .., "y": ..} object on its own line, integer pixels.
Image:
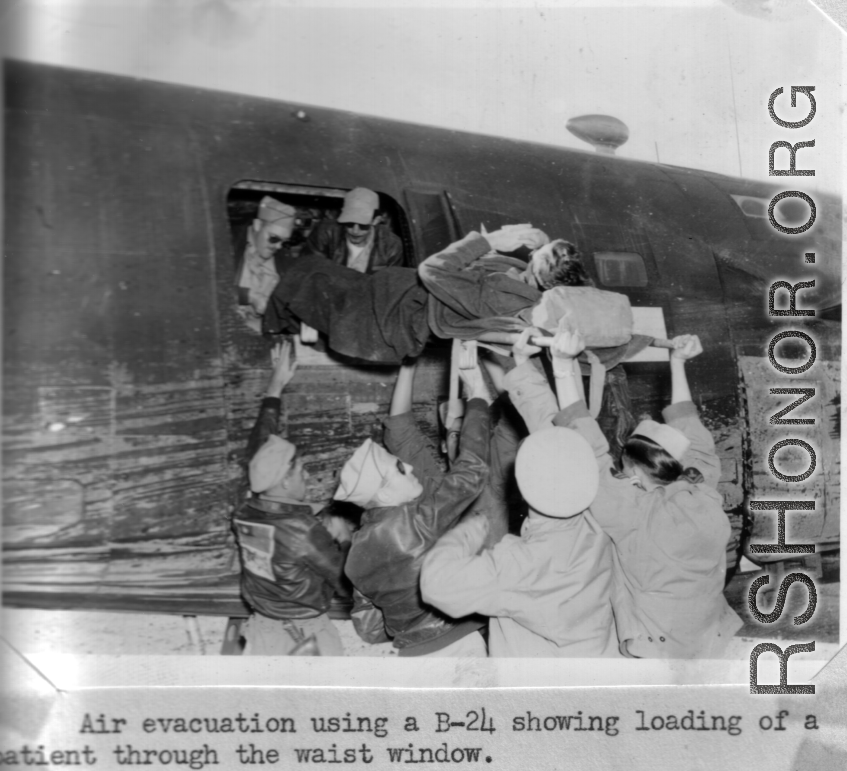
[{"x": 465, "y": 355}]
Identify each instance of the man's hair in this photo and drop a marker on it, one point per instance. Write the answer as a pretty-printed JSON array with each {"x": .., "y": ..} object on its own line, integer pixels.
[{"x": 568, "y": 269}]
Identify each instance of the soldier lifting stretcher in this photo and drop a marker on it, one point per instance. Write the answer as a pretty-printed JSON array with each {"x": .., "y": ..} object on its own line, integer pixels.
[
  {"x": 409, "y": 503},
  {"x": 291, "y": 564},
  {"x": 665, "y": 517}
]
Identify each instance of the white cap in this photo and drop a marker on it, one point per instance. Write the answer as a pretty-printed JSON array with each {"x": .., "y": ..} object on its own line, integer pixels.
[
  {"x": 671, "y": 440},
  {"x": 557, "y": 472},
  {"x": 359, "y": 206},
  {"x": 364, "y": 473},
  {"x": 271, "y": 210},
  {"x": 271, "y": 463}
]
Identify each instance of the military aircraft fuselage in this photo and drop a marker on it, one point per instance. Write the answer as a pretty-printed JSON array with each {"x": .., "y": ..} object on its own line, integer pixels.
[{"x": 131, "y": 381}]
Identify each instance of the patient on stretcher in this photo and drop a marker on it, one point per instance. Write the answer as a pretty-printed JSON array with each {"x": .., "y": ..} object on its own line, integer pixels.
[
  {"x": 473, "y": 287},
  {"x": 477, "y": 287}
]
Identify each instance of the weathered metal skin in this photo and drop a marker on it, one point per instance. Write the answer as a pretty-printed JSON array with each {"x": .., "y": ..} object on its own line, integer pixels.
[
  {"x": 820, "y": 526},
  {"x": 130, "y": 382}
]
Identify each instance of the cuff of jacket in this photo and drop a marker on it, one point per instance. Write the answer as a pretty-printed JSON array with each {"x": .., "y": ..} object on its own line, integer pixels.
[
  {"x": 271, "y": 401},
  {"x": 568, "y": 415},
  {"x": 679, "y": 410},
  {"x": 403, "y": 419},
  {"x": 476, "y": 428},
  {"x": 473, "y": 246},
  {"x": 476, "y": 404}
]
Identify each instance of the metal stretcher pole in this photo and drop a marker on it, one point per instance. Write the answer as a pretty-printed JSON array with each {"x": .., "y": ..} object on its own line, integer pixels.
[
  {"x": 462, "y": 356},
  {"x": 454, "y": 370},
  {"x": 510, "y": 338}
]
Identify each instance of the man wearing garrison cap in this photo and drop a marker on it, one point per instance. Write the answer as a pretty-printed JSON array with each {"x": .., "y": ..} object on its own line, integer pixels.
[
  {"x": 292, "y": 567},
  {"x": 406, "y": 510},
  {"x": 358, "y": 239},
  {"x": 257, "y": 273}
]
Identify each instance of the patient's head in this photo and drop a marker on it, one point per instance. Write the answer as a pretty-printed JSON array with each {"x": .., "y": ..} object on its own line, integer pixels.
[{"x": 557, "y": 264}]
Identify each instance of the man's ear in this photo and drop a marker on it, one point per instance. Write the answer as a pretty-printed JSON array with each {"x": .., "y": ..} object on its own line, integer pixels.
[
  {"x": 285, "y": 482},
  {"x": 256, "y": 225}
]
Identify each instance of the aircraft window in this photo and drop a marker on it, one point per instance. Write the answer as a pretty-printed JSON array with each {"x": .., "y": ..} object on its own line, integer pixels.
[
  {"x": 620, "y": 268},
  {"x": 312, "y": 206},
  {"x": 791, "y": 212},
  {"x": 752, "y": 207}
]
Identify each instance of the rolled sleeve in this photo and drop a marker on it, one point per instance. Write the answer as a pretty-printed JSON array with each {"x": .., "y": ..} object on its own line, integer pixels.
[
  {"x": 573, "y": 411},
  {"x": 441, "y": 272},
  {"x": 459, "y": 583},
  {"x": 404, "y": 439},
  {"x": 469, "y": 473},
  {"x": 265, "y": 425},
  {"x": 679, "y": 410},
  {"x": 532, "y": 396}
]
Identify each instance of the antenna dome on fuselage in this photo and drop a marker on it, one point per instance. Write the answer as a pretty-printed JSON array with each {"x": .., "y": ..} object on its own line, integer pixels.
[{"x": 603, "y": 132}]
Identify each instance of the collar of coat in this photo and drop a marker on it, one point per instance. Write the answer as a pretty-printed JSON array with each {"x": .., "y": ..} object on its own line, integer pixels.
[{"x": 281, "y": 505}]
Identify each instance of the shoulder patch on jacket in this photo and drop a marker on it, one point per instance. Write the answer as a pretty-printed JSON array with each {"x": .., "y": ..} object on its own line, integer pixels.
[{"x": 257, "y": 543}]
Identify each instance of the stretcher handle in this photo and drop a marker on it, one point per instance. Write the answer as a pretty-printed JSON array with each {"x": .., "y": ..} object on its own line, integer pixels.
[
  {"x": 510, "y": 338},
  {"x": 453, "y": 393}
]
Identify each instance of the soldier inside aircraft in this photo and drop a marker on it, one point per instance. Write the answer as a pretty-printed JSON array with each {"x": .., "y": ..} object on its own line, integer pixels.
[
  {"x": 358, "y": 239},
  {"x": 257, "y": 274}
]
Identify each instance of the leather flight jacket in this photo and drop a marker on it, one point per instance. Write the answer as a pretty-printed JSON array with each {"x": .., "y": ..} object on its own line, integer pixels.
[
  {"x": 292, "y": 567},
  {"x": 385, "y": 559},
  {"x": 329, "y": 240}
]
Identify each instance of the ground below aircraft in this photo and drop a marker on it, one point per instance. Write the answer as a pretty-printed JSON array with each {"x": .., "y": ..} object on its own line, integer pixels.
[{"x": 131, "y": 381}]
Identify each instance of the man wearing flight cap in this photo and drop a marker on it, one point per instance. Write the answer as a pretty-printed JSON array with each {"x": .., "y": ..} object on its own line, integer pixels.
[
  {"x": 292, "y": 567},
  {"x": 548, "y": 592},
  {"x": 257, "y": 274},
  {"x": 357, "y": 239},
  {"x": 406, "y": 510}
]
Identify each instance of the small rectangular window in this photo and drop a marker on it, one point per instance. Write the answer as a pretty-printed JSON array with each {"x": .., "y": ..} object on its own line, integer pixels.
[
  {"x": 620, "y": 268},
  {"x": 752, "y": 206}
]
